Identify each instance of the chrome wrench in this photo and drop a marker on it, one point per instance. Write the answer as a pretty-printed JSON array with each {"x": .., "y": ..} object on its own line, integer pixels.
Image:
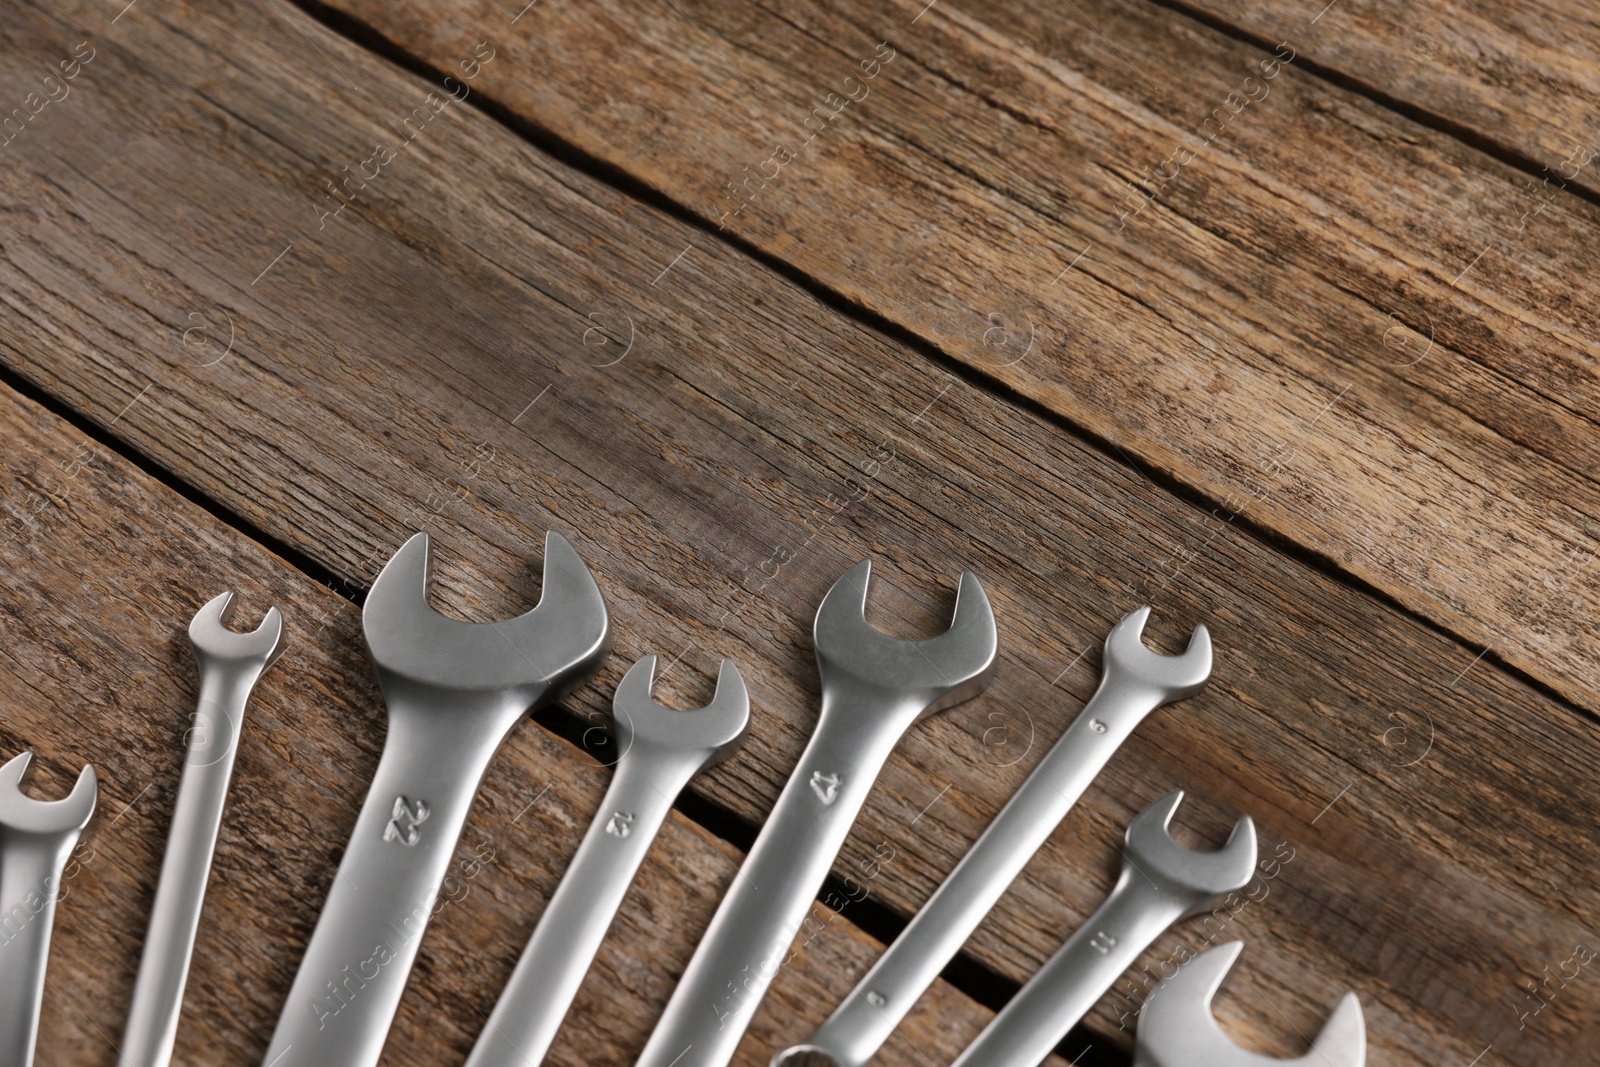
[
  {"x": 1134, "y": 682},
  {"x": 454, "y": 690},
  {"x": 1161, "y": 882},
  {"x": 874, "y": 688},
  {"x": 36, "y": 837},
  {"x": 660, "y": 751},
  {"x": 1177, "y": 1029},
  {"x": 230, "y": 664}
]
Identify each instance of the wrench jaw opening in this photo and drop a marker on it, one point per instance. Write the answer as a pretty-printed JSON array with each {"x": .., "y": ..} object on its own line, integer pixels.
[
  {"x": 539, "y": 656},
  {"x": 1153, "y": 854},
  {"x": 704, "y": 737},
  {"x": 1128, "y": 661},
  {"x": 1177, "y": 1027},
  {"x": 214, "y": 642},
  {"x": 805, "y": 1056},
  {"x": 22, "y": 815},
  {"x": 865, "y": 666}
]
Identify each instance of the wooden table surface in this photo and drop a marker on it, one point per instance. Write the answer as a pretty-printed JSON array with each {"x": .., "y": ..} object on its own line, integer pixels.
[{"x": 1276, "y": 316}]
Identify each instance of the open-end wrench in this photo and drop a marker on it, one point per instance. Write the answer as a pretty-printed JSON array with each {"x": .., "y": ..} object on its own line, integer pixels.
[
  {"x": 1177, "y": 1029},
  {"x": 873, "y": 689},
  {"x": 454, "y": 690},
  {"x": 36, "y": 837},
  {"x": 660, "y": 750},
  {"x": 1161, "y": 882},
  {"x": 1134, "y": 681},
  {"x": 230, "y": 663}
]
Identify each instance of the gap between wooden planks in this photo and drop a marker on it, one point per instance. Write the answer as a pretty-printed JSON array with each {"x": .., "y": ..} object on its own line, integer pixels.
[
  {"x": 1333, "y": 324},
  {"x": 1517, "y": 79},
  {"x": 443, "y": 354},
  {"x": 95, "y": 599}
]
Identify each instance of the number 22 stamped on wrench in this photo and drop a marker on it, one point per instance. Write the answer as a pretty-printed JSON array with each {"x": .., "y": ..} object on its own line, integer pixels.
[
  {"x": 874, "y": 688},
  {"x": 454, "y": 690}
]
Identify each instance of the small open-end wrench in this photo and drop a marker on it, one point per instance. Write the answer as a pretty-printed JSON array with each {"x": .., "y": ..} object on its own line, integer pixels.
[
  {"x": 1161, "y": 882},
  {"x": 1134, "y": 681},
  {"x": 660, "y": 751},
  {"x": 36, "y": 837},
  {"x": 1177, "y": 1029},
  {"x": 873, "y": 689},
  {"x": 230, "y": 664},
  {"x": 454, "y": 691}
]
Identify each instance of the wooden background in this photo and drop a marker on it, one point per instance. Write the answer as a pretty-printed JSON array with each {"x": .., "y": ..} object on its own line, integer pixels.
[{"x": 1277, "y": 316}]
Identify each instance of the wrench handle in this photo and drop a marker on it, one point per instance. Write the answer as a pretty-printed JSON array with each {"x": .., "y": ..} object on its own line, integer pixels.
[
  {"x": 30, "y": 882},
  {"x": 869, "y": 1015},
  {"x": 749, "y": 937},
  {"x": 213, "y": 744},
  {"x": 1056, "y": 998},
  {"x": 349, "y": 985},
  {"x": 568, "y": 935}
]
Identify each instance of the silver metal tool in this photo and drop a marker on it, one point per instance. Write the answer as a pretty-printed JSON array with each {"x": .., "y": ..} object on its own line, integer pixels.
[
  {"x": 1177, "y": 1029},
  {"x": 230, "y": 664},
  {"x": 660, "y": 751},
  {"x": 1161, "y": 882},
  {"x": 1134, "y": 681},
  {"x": 873, "y": 689},
  {"x": 36, "y": 837},
  {"x": 454, "y": 691}
]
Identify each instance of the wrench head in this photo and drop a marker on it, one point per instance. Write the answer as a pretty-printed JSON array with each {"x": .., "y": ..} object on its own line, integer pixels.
[
  {"x": 937, "y": 672},
  {"x": 1173, "y": 677},
  {"x": 21, "y": 813},
  {"x": 212, "y": 639},
  {"x": 1177, "y": 1029},
  {"x": 1190, "y": 875},
  {"x": 709, "y": 735},
  {"x": 544, "y": 652}
]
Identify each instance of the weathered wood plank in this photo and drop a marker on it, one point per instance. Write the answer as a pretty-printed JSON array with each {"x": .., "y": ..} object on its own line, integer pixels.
[
  {"x": 95, "y": 597},
  {"x": 391, "y": 368},
  {"x": 1522, "y": 77},
  {"x": 1356, "y": 333}
]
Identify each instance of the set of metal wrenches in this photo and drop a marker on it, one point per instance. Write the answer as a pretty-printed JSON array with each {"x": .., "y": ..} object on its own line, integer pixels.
[{"x": 455, "y": 690}]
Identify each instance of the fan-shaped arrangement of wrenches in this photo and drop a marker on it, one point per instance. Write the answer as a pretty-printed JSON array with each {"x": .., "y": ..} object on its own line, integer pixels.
[{"x": 454, "y": 691}]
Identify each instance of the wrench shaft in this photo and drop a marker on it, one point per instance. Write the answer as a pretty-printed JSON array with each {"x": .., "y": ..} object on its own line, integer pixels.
[
  {"x": 350, "y": 982},
  {"x": 1053, "y": 1001},
  {"x": 175, "y": 918},
  {"x": 30, "y": 882},
  {"x": 564, "y": 943},
  {"x": 749, "y": 937},
  {"x": 869, "y": 1016}
]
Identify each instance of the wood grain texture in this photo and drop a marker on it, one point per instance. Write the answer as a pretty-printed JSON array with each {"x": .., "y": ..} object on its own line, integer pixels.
[
  {"x": 1519, "y": 77},
  {"x": 433, "y": 356},
  {"x": 95, "y": 599},
  {"x": 1357, "y": 334}
]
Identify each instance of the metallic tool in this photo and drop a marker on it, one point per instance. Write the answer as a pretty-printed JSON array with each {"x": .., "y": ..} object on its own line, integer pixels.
[
  {"x": 36, "y": 837},
  {"x": 874, "y": 688},
  {"x": 660, "y": 751},
  {"x": 1177, "y": 1029},
  {"x": 230, "y": 664},
  {"x": 454, "y": 691},
  {"x": 1161, "y": 882},
  {"x": 1134, "y": 681}
]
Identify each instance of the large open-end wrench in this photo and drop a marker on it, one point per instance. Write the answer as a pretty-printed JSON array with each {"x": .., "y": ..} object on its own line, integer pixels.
[
  {"x": 873, "y": 689},
  {"x": 660, "y": 750},
  {"x": 1161, "y": 882},
  {"x": 36, "y": 837},
  {"x": 454, "y": 690},
  {"x": 1133, "y": 682},
  {"x": 230, "y": 664},
  {"x": 1177, "y": 1029}
]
